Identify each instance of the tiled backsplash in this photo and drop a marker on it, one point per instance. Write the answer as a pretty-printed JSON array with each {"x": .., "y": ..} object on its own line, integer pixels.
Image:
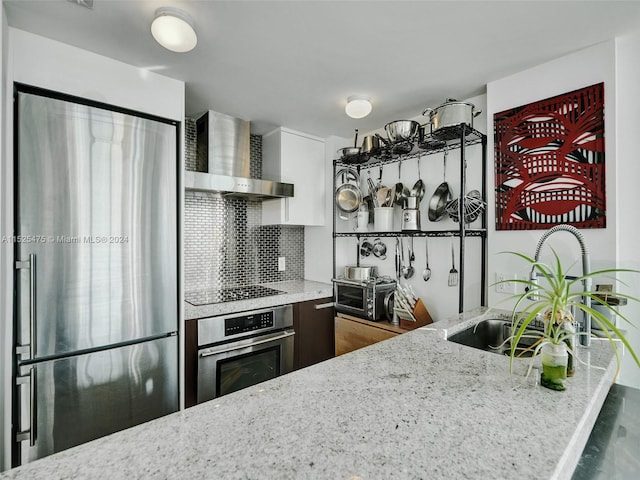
[{"x": 225, "y": 242}]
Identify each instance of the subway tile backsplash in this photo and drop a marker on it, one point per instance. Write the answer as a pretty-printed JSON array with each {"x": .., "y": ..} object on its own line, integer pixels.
[{"x": 226, "y": 244}]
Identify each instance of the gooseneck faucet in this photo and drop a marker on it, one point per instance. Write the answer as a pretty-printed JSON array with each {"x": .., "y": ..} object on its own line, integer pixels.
[{"x": 585, "y": 325}]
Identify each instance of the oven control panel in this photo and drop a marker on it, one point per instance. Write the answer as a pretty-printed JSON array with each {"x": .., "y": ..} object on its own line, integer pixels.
[{"x": 248, "y": 323}]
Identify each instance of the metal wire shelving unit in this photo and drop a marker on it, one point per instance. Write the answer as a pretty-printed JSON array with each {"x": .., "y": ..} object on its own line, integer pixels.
[{"x": 460, "y": 137}]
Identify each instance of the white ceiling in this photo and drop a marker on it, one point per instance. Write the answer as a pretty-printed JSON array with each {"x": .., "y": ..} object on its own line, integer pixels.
[{"x": 293, "y": 63}]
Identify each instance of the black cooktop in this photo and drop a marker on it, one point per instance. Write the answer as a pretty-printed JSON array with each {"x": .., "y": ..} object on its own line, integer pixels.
[{"x": 205, "y": 297}]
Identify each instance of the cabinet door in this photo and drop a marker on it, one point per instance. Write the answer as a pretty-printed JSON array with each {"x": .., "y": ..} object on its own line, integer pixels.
[
  {"x": 297, "y": 158},
  {"x": 351, "y": 335},
  {"x": 314, "y": 339},
  {"x": 190, "y": 362}
]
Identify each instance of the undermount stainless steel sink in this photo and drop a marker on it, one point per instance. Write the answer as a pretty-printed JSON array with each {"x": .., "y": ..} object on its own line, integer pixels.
[{"x": 490, "y": 335}]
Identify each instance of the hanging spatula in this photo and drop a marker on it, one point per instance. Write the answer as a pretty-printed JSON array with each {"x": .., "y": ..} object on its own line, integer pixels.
[{"x": 453, "y": 273}]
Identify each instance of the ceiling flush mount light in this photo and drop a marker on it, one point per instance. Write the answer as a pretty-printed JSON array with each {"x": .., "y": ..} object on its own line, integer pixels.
[
  {"x": 173, "y": 29},
  {"x": 358, "y": 106}
]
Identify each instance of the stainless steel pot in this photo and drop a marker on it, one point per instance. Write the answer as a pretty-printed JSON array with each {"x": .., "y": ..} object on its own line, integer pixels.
[
  {"x": 401, "y": 130},
  {"x": 360, "y": 273},
  {"x": 451, "y": 114},
  {"x": 370, "y": 144}
]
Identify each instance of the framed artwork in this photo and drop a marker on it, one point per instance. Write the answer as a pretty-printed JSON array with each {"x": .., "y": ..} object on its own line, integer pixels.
[{"x": 549, "y": 162}]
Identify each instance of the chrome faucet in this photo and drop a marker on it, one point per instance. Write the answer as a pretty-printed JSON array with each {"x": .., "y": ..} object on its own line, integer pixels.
[{"x": 585, "y": 325}]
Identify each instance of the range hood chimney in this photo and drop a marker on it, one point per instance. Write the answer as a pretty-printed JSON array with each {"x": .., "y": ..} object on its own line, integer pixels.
[{"x": 223, "y": 146}]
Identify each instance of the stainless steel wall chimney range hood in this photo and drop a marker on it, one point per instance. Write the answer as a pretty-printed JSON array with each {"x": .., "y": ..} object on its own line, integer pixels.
[{"x": 223, "y": 143}]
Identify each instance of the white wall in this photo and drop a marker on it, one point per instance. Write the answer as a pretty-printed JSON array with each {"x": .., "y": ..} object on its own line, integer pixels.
[
  {"x": 41, "y": 62},
  {"x": 628, "y": 176},
  {"x": 609, "y": 247},
  {"x": 49, "y": 64}
]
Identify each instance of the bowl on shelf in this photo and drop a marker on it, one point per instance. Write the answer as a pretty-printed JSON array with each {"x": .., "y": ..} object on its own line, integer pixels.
[{"x": 401, "y": 130}]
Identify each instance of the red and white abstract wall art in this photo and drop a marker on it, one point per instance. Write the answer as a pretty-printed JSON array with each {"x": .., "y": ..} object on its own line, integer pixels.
[{"x": 549, "y": 162}]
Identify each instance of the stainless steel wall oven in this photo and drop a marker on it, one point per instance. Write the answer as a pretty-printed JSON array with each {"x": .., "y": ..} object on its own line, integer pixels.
[{"x": 239, "y": 350}]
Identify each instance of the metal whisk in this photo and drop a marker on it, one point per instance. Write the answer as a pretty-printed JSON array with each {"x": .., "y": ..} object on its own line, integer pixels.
[{"x": 453, "y": 273}]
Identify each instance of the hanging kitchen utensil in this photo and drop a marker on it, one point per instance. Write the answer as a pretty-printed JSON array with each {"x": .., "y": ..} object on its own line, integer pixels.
[
  {"x": 398, "y": 263},
  {"x": 404, "y": 269},
  {"x": 418, "y": 191},
  {"x": 426, "y": 274},
  {"x": 372, "y": 192},
  {"x": 440, "y": 197},
  {"x": 453, "y": 273},
  {"x": 473, "y": 205},
  {"x": 366, "y": 247},
  {"x": 412, "y": 257},
  {"x": 348, "y": 195},
  {"x": 402, "y": 192},
  {"x": 348, "y": 198},
  {"x": 379, "y": 249},
  {"x": 408, "y": 271},
  {"x": 418, "y": 187}
]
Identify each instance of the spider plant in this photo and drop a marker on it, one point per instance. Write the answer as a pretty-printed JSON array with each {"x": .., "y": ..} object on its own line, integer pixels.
[{"x": 553, "y": 301}]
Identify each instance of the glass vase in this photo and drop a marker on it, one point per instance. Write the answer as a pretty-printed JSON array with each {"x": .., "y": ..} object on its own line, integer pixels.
[{"x": 554, "y": 366}]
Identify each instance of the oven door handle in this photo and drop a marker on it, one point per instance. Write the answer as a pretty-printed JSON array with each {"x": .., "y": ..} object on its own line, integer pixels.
[{"x": 286, "y": 334}]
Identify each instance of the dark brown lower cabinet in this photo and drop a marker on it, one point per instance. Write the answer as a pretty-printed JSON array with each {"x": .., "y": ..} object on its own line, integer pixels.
[
  {"x": 190, "y": 363},
  {"x": 315, "y": 333}
]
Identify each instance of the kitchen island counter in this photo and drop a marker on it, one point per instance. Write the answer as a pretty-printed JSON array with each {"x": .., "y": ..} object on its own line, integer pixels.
[
  {"x": 293, "y": 291},
  {"x": 414, "y": 406}
]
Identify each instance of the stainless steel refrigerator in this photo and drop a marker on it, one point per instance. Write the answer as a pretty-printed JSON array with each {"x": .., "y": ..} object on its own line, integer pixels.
[{"x": 96, "y": 289}]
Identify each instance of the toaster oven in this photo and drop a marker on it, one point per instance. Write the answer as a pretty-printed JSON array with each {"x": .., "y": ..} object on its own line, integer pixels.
[{"x": 364, "y": 299}]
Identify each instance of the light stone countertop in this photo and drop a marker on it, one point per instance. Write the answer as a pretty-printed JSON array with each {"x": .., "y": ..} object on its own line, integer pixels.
[
  {"x": 414, "y": 406},
  {"x": 294, "y": 291}
]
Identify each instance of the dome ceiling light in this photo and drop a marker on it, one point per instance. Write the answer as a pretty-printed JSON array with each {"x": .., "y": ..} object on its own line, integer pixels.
[
  {"x": 358, "y": 106},
  {"x": 173, "y": 29}
]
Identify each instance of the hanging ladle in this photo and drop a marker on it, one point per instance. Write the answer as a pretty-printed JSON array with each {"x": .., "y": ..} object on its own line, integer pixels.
[
  {"x": 426, "y": 274},
  {"x": 409, "y": 270}
]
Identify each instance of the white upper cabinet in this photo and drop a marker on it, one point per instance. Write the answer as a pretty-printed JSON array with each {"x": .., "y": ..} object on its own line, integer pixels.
[{"x": 297, "y": 158}]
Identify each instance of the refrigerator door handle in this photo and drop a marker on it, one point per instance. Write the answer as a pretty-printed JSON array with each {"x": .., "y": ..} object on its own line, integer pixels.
[
  {"x": 30, "y": 434},
  {"x": 30, "y": 350}
]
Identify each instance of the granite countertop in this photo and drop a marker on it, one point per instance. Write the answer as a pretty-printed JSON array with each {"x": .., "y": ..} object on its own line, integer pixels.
[
  {"x": 414, "y": 406},
  {"x": 294, "y": 291}
]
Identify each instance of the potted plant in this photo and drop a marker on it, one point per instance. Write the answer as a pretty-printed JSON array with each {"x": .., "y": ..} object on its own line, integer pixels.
[{"x": 552, "y": 302}]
